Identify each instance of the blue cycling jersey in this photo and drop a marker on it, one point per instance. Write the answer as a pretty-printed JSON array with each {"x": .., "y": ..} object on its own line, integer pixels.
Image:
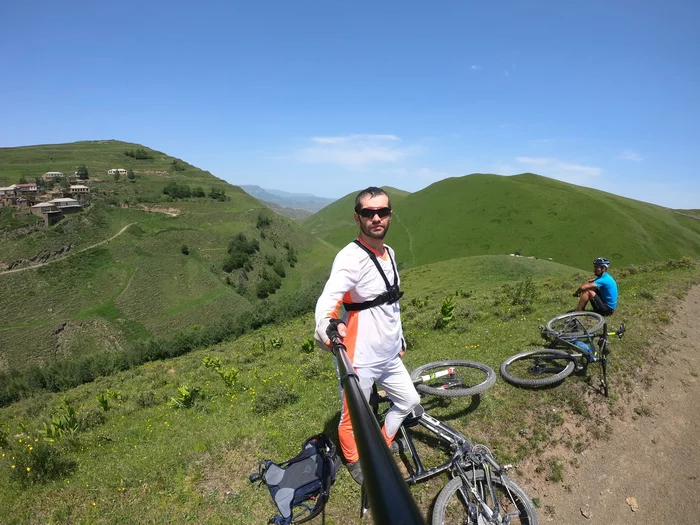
[{"x": 607, "y": 289}]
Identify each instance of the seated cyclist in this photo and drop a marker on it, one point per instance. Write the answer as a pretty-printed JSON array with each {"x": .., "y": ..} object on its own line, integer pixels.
[{"x": 600, "y": 291}]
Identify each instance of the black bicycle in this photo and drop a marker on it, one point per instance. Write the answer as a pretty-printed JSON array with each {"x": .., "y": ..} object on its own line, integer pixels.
[
  {"x": 576, "y": 339},
  {"x": 479, "y": 491}
]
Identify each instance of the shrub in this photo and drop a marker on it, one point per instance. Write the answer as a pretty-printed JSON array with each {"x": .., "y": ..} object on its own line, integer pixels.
[
  {"x": 646, "y": 294},
  {"x": 229, "y": 376},
  {"x": 34, "y": 460},
  {"x": 446, "y": 313},
  {"x": 218, "y": 195},
  {"x": 185, "y": 397},
  {"x": 90, "y": 418},
  {"x": 524, "y": 292},
  {"x": 274, "y": 395},
  {"x": 684, "y": 262},
  {"x": 278, "y": 267},
  {"x": 138, "y": 153},
  {"x": 264, "y": 220},
  {"x": 177, "y": 191},
  {"x": 313, "y": 366},
  {"x": 291, "y": 255},
  {"x": 418, "y": 302},
  {"x": 4, "y": 434},
  {"x": 146, "y": 399},
  {"x": 82, "y": 172},
  {"x": 184, "y": 249},
  {"x": 308, "y": 345}
]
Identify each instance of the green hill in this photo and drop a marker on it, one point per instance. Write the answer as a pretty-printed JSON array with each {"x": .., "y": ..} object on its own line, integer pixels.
[
  {"x": 525, "y": 214},
  {"x": 162, "y": 270}
]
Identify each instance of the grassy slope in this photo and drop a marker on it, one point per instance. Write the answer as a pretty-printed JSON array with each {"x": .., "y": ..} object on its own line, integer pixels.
[
  {"x": 140, "y": 283},
  {"x": 490, "y": 214},
  {"x": 166, "y": 465}
]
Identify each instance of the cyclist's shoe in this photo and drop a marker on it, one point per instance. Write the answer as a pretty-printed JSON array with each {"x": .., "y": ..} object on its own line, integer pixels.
[
  {"x": 355, "y": 471},
  {"x": 397, "y": 446}
]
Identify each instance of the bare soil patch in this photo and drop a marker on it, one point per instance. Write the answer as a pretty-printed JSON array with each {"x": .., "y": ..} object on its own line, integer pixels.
[{"x": 643, "y": 466}]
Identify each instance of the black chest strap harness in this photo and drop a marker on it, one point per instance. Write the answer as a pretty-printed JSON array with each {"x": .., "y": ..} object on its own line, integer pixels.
[{"x": 392, "y": 293}]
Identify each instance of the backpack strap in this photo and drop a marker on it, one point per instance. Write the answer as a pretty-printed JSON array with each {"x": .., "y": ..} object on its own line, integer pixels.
[{"x": 392, "y": 293}]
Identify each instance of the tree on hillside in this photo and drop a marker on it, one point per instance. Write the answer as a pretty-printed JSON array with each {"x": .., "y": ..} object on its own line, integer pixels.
[
  {"x": 23, "y": 180},
  {"x": 138, "y": 153},
  {"x": 39, "y": 182},
  {"x": 198, "y": 191},
  {"x": 130, "y": 175},
  {"x": 82, "y": 172},
  {"x": 177, "y": 191},
  {"x": 219, "y": 195},
  {"x": 117, "y": 176}
]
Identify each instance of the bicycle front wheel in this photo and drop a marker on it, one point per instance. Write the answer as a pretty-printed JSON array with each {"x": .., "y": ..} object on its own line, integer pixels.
[
  {"x": 453, "y": 378},
  {"x": 457, "y": 503},
  {"x": 537, "y": 367},
  {"x": 575, "y": 324}
]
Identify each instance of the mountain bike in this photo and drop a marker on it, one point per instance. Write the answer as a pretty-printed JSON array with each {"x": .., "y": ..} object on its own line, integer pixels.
[
  {"x": 581, "y": 342},
  {"x": 479, "y": 491}
]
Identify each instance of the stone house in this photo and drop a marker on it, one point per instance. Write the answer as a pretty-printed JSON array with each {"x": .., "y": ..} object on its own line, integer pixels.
[{"x": 52, "y": 175}]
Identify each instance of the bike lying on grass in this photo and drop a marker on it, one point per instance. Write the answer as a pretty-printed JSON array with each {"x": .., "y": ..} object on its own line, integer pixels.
[
  {"x": 479, "y": 491},
  {"x": 583, "y": 343}
]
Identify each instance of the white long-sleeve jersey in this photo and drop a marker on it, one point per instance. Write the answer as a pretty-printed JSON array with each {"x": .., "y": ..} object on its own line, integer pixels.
[{"x": 374, "y": 336}]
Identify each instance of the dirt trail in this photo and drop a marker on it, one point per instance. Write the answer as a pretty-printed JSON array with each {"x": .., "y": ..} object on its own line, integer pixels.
[
  {"x": 652, "y": 461},
  {"x": 69, "y": 253}
]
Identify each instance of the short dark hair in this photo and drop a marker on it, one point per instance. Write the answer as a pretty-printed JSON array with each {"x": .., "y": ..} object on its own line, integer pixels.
[{"x": 371, "y": 192}]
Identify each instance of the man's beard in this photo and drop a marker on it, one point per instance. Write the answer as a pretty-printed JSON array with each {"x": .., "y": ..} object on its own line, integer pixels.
[{"x": 373, "y": 235}]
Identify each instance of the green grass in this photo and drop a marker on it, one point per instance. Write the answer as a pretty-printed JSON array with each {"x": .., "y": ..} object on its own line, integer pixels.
[
  {"x": 11, "y": 220},
  {"x": 144, "y": 458},
  {"x": 139, "y": 284},
  {"x": 528, "y": 214}
]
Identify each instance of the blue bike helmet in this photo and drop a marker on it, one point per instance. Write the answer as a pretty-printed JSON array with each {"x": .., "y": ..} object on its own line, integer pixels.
[{"x": 601, "y": 261}]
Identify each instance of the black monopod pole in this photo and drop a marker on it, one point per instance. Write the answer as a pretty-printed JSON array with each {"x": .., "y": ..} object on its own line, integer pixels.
[{"x": 390, "y": 500}]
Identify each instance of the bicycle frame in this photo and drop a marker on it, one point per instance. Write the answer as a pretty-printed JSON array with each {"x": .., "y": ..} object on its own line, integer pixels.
[
  {"x": 464, "y": 454},
  {"x": 583, "y": 359}
]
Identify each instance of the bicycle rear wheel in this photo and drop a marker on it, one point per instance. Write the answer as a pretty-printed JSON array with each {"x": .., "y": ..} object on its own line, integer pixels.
[
  {"x": 451, "y": 504},
  {"x": 453, "y": 378},
  {"x": 537, "y": 367},
  {"x": 575, "y": 324}
]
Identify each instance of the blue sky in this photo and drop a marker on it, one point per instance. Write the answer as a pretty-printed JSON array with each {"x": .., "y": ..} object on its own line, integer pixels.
[{"x": 328, "y": 97}]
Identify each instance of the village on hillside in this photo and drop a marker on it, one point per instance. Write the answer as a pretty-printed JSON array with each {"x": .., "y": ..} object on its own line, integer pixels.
[{"x": 53, "y": 196}]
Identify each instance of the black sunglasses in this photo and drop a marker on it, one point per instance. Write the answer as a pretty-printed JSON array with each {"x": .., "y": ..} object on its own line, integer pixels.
[{"x": 369, "y": 213}]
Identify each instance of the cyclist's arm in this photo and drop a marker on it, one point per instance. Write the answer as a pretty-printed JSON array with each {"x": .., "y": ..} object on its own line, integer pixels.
[
  {"x": 586, "y": 286},
  {"x": 344, "y": 276}
]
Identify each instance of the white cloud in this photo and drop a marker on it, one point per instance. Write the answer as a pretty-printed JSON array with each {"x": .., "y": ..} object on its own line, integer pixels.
[
  {"x": 564, "y": 171},
  {"x": 355, "y": 150},
  {"x": 631, "y": 155},
  {"x": 476, "y": 67}
]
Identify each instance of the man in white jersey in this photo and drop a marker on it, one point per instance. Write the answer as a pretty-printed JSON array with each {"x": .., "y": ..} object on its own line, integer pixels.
[{"x": 360, "y": 294}]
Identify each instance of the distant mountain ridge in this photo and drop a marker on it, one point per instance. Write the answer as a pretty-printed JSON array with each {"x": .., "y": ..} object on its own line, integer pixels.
[{"x": 300, "y": 201}]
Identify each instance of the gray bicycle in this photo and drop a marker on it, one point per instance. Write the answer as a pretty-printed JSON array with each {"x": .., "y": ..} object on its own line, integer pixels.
[{"x": 575, "y": 340}]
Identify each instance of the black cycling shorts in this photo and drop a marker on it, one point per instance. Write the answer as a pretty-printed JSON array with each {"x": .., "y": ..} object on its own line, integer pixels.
[{"x": 600, "y": 307}]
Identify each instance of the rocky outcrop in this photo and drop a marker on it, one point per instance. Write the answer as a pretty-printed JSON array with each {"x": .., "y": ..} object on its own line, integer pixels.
[{"x": 39, "y": 258}]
